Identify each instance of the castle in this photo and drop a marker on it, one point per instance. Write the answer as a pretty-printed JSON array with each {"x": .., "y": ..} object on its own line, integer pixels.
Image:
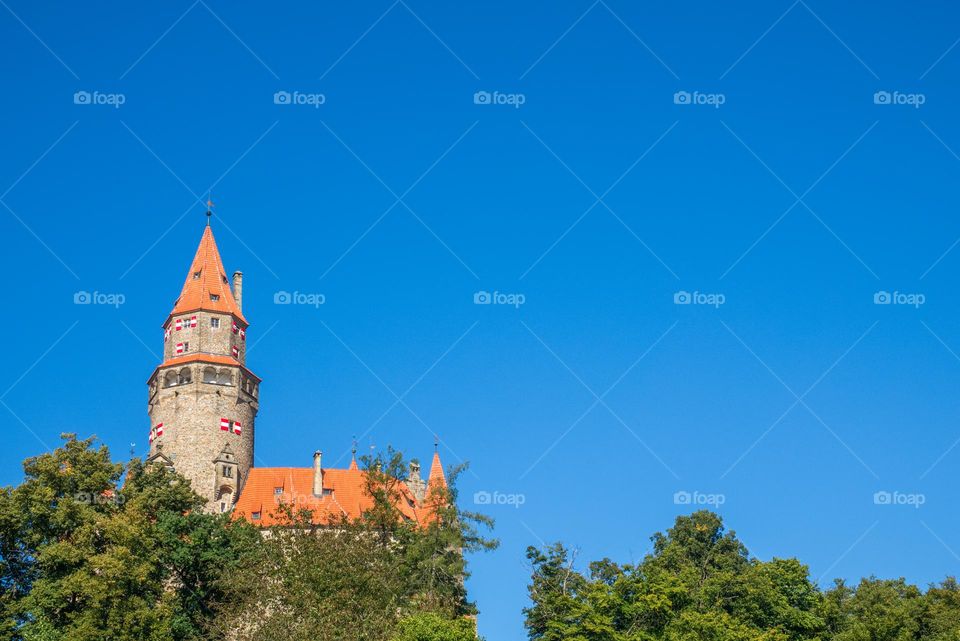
[{"x": 203, "y": 403}]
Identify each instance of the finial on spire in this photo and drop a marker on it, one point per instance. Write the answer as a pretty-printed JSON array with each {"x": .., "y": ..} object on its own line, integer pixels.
[
  {"x": 436, "y": 443},
  {"x": 209, "y": 207},
  {"x": 353, "y": 450}
]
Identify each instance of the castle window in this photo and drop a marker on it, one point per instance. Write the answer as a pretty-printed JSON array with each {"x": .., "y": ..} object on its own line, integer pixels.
[
  {"x": 215, "y": 322},
  {"x": 196, "y": 275},
  {"x": 214, "y": 297},
  {"x": 224, "y": 377},
  {"x": 227, "y": 472},
  {"x": 170, "y": 379},
  {"x": 225, "y": 281},
  {"x": 209, "y": 375},
  {"x": 223, "y": 506},
  {"x": 184, "y": 376},
  {"x": 277, "y": 491},
  {"x": 255, "y": 516},
  {"x": 186, "y": 346}
]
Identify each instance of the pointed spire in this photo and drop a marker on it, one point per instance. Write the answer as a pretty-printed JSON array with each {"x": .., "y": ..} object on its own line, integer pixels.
[
  {"x": 437, "y": 477},
  {"x": 207, "y": 286}
]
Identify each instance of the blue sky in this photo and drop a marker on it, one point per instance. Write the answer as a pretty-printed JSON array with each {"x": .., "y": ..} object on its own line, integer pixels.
[{"x": 781, "y": 187}]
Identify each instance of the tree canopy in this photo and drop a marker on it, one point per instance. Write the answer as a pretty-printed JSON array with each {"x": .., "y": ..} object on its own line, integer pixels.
[{"x": 701, "y": 584}]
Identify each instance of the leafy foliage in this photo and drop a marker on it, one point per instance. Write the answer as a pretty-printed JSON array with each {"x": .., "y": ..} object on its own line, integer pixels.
[{"x": 700, "y": 584}]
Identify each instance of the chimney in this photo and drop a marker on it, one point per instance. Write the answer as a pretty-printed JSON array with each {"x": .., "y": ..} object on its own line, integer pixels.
[
  {"x": 317, "y": 474},
  {"x": 238, "y": 289}
]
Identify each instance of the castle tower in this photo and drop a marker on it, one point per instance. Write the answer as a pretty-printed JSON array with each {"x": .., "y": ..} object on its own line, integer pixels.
[{"x": 202, "y": 398}]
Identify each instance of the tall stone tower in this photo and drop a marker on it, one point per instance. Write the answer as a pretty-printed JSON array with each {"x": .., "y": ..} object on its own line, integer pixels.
[{"x": 202, "y": 398}]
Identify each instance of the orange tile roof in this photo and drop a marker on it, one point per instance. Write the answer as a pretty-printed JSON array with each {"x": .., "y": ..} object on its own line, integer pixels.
[
  {"x": 347, "y": 495},
  {"x": 212, "y": 280},
  {"x": 437, "y": 477}
]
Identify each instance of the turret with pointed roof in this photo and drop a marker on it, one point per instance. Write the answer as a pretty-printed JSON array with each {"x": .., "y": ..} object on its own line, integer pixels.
[{"x": 202, "y": 398}]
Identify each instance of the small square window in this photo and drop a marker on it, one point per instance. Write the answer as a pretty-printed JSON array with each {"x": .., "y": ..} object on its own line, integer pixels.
[
  {"x": 196, "y": 275},
  {"x": 214, "y": 297},
  {"x": 255, "y": 516},
  {"x": 278, "y": 491},
  {"x": 186, "y": 347},
  {"x": 215, "y": 322}
]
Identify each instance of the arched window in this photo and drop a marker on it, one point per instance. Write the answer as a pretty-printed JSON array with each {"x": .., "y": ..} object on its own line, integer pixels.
[
  {"x": 184, "y": 377},
  {"x": 170, "y": 379},
  {"x": 226, "y": 498},
  {"x": 209, "y": 375},
  {"x": 224, "y": 377}
]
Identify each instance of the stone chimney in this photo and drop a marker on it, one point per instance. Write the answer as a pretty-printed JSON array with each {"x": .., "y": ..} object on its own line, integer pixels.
[
  {"x": 317, "y": 474},
  {"x": 238, "y": 289},
  {"x": 416, "y": 483}
]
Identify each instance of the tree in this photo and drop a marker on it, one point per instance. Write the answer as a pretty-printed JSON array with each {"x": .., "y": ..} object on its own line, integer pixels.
[
  {"x": 85, "y": 557},
  {"x": 432, "y": 627}
]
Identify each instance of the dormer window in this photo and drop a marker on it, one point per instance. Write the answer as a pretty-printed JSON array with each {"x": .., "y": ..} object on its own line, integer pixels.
[
  {"x": 225, "y": 281},
  {"x": 255, "y": 516},
  {"x": 214, "y": 297},
  {"x": 277, "y": 491},
  {"x": 196, "y": 275}
]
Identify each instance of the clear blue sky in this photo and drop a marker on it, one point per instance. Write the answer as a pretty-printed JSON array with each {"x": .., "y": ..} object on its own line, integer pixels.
[{"x": 797, "y": 199}]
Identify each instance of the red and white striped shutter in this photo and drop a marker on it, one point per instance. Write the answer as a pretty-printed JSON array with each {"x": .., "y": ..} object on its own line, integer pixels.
[
  {"x": 193, "y": 321},
  {"x": 159, "y": 429},
  {"x": 236, "y": 427},
  {"x": 243, "y": 334},
  {"x": 178, "y": 324},
  {"x": 179, "y": 348},
  {"x": 236, "y": 352},
  {"x": 224, "y": 425},
  {"x": 235, "y": 328}
]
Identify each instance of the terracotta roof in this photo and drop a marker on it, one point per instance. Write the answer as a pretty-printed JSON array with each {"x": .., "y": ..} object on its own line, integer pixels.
[
  {"x": 267, "y": 487},
  {"x": 437, "y": 477},
  {"x": 207, "y": 277}
]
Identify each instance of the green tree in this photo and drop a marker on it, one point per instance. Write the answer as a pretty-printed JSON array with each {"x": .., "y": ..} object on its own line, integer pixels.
[
  {"x": 86, "y": 559},
  {"x": 428, "y": 626}
]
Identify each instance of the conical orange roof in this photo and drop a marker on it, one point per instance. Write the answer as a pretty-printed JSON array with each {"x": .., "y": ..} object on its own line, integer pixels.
[
  {"x": 207, "y": 286},
  {"x": 437, "y": 478}
]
